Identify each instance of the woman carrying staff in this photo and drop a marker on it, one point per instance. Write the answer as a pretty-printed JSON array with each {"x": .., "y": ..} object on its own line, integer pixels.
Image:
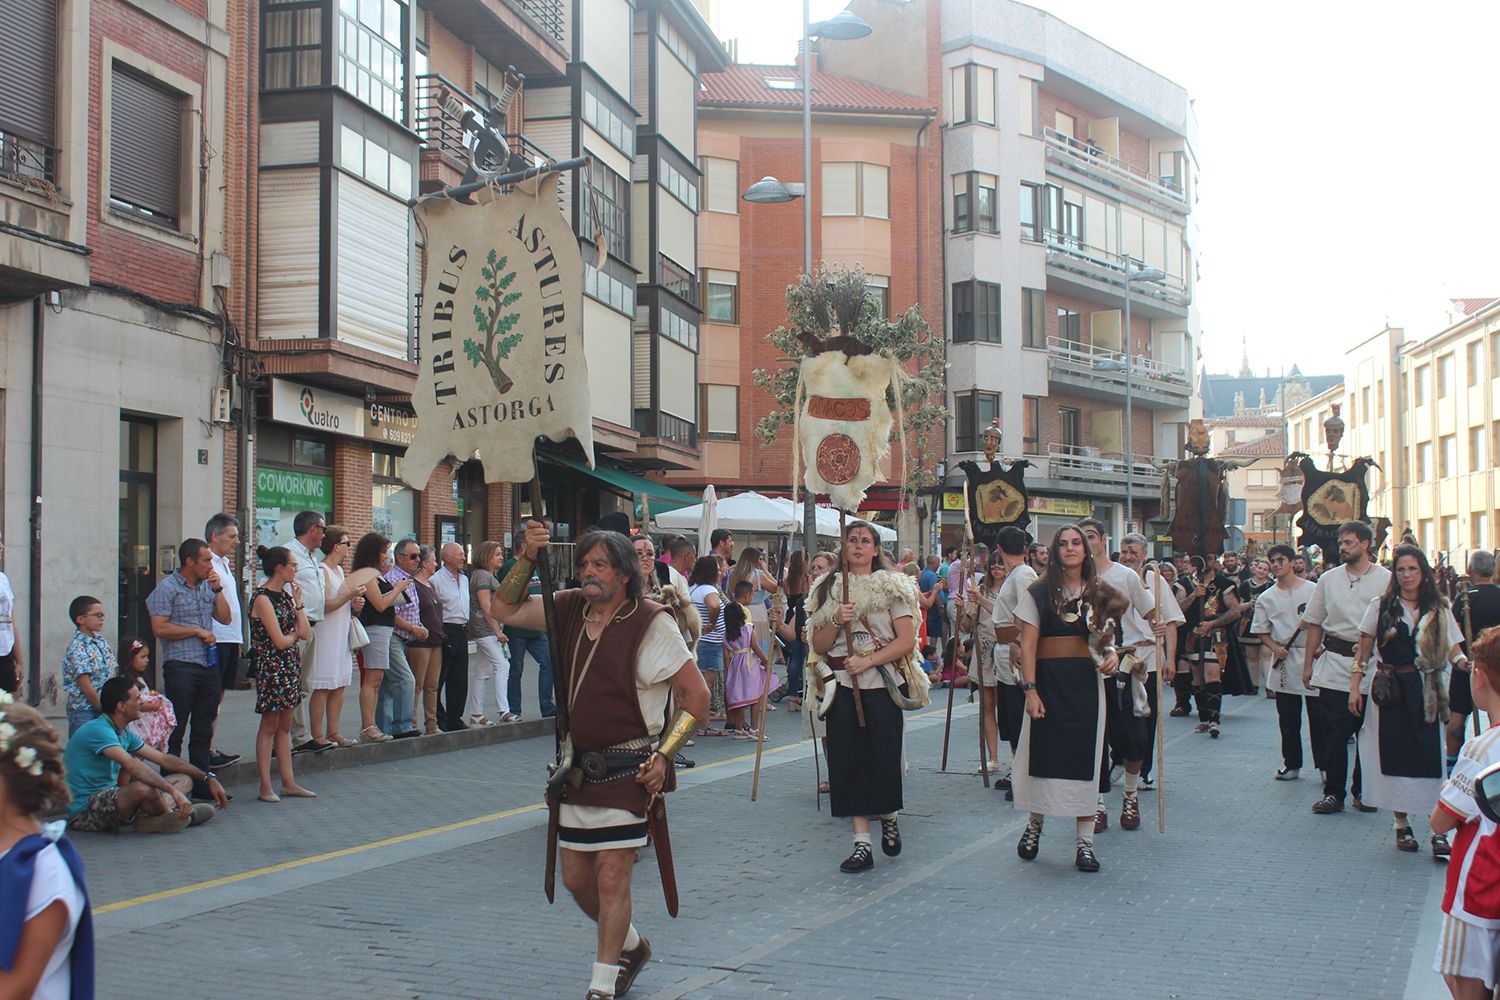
[
  {"x": 1411, "y": 630},
  {"x": 1062, "y": 737},
  {"x": 873, "y": 627}
]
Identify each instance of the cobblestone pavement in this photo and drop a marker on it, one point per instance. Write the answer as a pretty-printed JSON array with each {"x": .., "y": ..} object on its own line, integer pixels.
[{"x": 422, "y": 879}]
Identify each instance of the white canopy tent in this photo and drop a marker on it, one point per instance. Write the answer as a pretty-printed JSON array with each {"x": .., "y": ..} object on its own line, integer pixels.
[{"x": 758, "y": 514}]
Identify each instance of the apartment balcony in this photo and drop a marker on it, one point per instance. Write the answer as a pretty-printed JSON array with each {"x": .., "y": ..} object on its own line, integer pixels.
[
  {"x": 534, "y": 36},
  {"x": 1089, "y": 161},
  {"x": 1096, "y": 274},
  {"x": 35, "y": 254},
  {"x": 666, "y": 442},
  {"x": 1087, "y": 470},
  {"x": 445, "y": 115},
  {"x": 1095, "y": 373}
]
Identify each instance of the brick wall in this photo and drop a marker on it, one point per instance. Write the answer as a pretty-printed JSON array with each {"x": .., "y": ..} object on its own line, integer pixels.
[
  {"x": 436, "y": 500},
  {"x": 352, "y": 484},
  {"x": 121, "y": 257},
  {"x": 500, "y": 515}
]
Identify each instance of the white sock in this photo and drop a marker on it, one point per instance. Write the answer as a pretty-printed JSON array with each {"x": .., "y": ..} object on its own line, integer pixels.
[
  {"x": 1403, "y": 824},
  {"x": 1100, "y": 806},
  {"x": 1131, "y": 781},
  {"x": 605, "y": 977},
  {"x": 632, "y": 938},
  {"x": 862, "y": 838},
  {"x": 1086, "y": 830}
]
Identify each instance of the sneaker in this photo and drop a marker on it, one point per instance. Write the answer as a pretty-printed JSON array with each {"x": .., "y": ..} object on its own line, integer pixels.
[
  {"x": 890, "y": 837},
  {"x": 1130, "y": 813},
  {"x": 1179, "y": 712},
  {"x": 863, "y": 859},
  {"x": 1101, "y": 820},
  {"x": 631, "y": 963},
  {"x": 1116, "y": 774},
  {"x": 1003, "y": 783},
  {"x": 1441, "y": 851},
  {"x": 684, "y": 763},
  {"x": 202, "y": 813},
  {"x": 1287, "y": 774},
  {"x": 1031, "y": 839},
  {"x": 1326, "y": 805},
  {"x": 1085, "y": 861},
  {"x": 167, "y": 822},
  {"x": 1201, "y": 727},
  {"x": 217, "y": 759},
  {"x": 1146, "y": 784}
]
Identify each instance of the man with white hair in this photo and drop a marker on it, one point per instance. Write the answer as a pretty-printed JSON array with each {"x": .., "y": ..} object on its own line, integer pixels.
[{"x": 453, "y": 595}]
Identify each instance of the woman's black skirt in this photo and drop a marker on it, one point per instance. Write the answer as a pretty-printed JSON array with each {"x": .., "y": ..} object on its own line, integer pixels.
[{"x": 864, "y": 765}]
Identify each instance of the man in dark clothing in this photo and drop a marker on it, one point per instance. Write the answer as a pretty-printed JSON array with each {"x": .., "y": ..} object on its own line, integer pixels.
[{"x": 1481, "y": 604}]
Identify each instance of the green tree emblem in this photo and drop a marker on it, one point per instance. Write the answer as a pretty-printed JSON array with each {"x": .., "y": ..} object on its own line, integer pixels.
[{"x": 491, "y": 319}]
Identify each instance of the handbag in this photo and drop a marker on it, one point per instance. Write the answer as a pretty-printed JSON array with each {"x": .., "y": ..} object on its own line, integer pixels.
[
  {"x": 1384, "y": 691},
  {"x": 358, "y": 637}
]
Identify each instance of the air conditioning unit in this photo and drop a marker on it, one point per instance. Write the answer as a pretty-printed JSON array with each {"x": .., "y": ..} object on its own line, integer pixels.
[{"x": 220, "y": 408}]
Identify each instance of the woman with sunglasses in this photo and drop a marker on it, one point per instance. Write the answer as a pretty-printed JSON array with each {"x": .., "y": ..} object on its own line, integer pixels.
[{"x": 333, "y": 660}]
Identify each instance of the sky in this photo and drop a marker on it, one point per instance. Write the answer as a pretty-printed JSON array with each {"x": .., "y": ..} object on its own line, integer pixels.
[{"x": 1346, "y": 155}]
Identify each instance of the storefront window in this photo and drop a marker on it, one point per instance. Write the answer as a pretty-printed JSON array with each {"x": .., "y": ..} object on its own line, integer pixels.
[
  {"x": 293, "y": 473},
  {"x": 393, "y": 504}
]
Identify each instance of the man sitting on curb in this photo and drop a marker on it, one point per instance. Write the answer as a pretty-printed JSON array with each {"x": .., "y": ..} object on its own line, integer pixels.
[{"x": 111, "y": 782}]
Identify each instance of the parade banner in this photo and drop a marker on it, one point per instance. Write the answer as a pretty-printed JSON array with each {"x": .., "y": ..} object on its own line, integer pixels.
[
  {"x": 844, "y": 422},
  {"x": 501, "y": 348},
  {"x": 1330, "y": 499}
]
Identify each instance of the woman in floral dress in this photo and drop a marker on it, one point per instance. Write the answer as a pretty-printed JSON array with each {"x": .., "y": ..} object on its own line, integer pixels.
[{"x": 277, "y": 623}]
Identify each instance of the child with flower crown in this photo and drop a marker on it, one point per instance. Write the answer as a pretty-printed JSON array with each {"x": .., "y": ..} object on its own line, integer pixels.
[{"x": 46, "y": 932}]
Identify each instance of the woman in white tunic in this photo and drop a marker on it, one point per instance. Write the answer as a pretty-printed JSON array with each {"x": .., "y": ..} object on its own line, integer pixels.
[
  {"x": 1412, "y": 633},
  {"x": 1062, "y": 737}
]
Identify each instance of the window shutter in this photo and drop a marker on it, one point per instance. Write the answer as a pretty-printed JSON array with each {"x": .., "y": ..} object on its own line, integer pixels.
[
  {"x": 875, "y": 197},
  {"x": 839, "y": 194},
  {"x": 146, "y": 140},
  {"x": 28, "y": 70}
]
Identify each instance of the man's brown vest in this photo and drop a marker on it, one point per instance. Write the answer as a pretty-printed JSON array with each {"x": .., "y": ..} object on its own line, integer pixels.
[{"x": 606, "y": 711}]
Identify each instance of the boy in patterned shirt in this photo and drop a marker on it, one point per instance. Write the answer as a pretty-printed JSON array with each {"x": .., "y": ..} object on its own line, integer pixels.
[
  {"x": 1468, "y": 955},
  {"x": 88, "y": 663}
]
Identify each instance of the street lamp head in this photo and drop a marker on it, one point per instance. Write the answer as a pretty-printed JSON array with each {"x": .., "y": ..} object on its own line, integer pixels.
[
  {"x": 843, "y": 26},
  {"x": 770, "y": 191}
]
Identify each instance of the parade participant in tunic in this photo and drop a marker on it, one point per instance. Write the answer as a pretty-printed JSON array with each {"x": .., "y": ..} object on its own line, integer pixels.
[
  {"x": 1165, "y": 625},
  {"x": 623, "y": 658},
  {"x": 1278, "y": 622},
  {"x": 982, "y": 596},
  {"x": 1481, "y": 601},
  {"x": 1010, "y": 545},
  {"x": 874, "y": 627},
  {"x": 1257, "y": 658},
  {"x": 1414, "y": 637},
  {"x": 1062, "y": 737},
  {"x": 1218, "y": 609},
  {"x": 1468, "y": 953},
  {"x": 1127, "y": 718},
  {"x": 1331, "y": 626},
  {"x": 1184, "y": 586}
]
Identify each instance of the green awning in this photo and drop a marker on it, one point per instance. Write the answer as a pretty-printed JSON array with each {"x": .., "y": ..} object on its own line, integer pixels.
[{"x": 663, "y": 497}]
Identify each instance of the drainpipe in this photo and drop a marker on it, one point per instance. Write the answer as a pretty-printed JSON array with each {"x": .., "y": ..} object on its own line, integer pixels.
[{"x": 34, "y": 624}]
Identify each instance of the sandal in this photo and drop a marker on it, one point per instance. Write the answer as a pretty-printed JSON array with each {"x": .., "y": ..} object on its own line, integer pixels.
[
  {"x": 1405, "y": 840},
  {"x": 1441, "y": 851},
  {"x": 705, "y": 731},
  {"x": 373, "y": 735}
]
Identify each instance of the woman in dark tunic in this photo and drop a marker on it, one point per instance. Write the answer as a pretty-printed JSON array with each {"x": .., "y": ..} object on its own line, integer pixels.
[
  {"x": 1411, "y": 631},
  {"x": 864, "y": 762},
  {"x": 1062, "y": 737}
]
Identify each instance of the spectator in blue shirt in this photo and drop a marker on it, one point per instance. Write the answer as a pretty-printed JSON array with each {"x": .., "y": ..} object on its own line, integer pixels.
[
  {"x": 103, "y": 800},
  {"x": 88, "y": 663},
  {"x": 926, "y": 581},
  {"x": 183, "y": 609}
]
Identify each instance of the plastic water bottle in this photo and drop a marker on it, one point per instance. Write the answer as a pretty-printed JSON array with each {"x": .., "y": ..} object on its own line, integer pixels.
[{"x": 211, "y": 655}]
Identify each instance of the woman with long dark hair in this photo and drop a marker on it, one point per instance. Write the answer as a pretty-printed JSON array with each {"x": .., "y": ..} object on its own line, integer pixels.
[
  {"x": 372, "y": 559},
  {"x": 794, "y": 584},
  {"x": 873, "y": 628},
  {"x": 1056, "y": 769},
  {"x": 703, "y": 591},
  {"x": 1414, "y": 637}
]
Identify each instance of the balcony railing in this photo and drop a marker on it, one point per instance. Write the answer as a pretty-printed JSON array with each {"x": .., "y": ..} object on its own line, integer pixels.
[
  {"x": 442, "y": 107},
  {"x": 549, "y": 15},
  {"x": 666, "y": 427},
  {"x": 26, "y": 162},
  {"x": 1110, "y": 366},
  {"x": 1082, "y": 463},
  {"x": 1111, "y": 168},
  {"x": 679, "y": 282},
  {"x": 1071, "y": 251}
]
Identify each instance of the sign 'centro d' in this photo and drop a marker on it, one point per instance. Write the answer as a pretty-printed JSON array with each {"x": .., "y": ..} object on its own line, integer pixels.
[{"x": 501, "y": 346}]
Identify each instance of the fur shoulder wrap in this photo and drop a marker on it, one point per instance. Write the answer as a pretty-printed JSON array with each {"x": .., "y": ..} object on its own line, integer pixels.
[{"x": 872, "y": 592}]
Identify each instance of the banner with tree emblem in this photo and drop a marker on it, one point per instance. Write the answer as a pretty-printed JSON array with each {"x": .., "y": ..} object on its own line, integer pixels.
[{"x": 501, "y": 350}]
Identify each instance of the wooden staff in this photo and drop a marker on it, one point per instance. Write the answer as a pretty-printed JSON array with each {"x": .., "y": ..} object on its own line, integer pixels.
[
  {"x": 560, "y": 681},
  {"x": 1161, "y": 664},
  {"x": 1464, "y": 588},
  {"x": 859, "y": 706}
]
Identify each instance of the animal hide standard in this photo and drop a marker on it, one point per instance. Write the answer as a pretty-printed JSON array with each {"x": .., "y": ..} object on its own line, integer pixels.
[
  {"x": 997, "y": 498},
  {"x": 844, "y": 422},
  {"x": 1329, "y": 499},
  {"x": 1202, "y": 504}
]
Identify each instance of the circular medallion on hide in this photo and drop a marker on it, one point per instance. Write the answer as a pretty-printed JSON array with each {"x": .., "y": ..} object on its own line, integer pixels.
[{"x": 838, "y": 459}]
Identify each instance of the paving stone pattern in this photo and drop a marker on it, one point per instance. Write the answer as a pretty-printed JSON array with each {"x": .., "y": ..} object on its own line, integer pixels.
[{"x": 1248, "y": 895}]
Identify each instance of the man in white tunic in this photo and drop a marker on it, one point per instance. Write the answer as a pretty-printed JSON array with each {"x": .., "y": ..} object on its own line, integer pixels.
[
  {"x": 1133, "y": 550},
  {"x": 1332, "y": 626},
  {"x": 1278, "y": 621},
  {"x": 1019, "y": 576}
]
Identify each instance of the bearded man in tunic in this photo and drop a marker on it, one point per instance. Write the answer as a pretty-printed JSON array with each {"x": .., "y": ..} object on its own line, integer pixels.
[{"x": 623, "y": 663}]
